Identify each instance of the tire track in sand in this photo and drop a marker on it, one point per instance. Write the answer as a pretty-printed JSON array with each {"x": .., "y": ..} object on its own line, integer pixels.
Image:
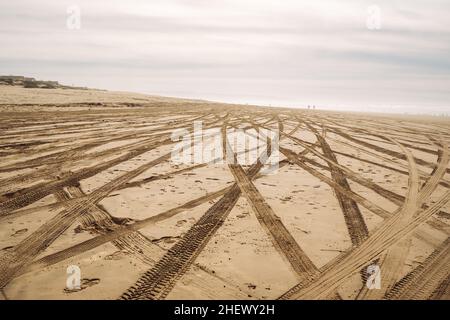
[
  {"x": 427, "y": 280},
  {"x": 23, "y": 253},
  {"x": 443, "y": 291},
  {"x": 393, "y": 260},
  {"x": 389, "y": 233},
  {"x": 281, "y": 238},
  {"x": 353, "y": 218},
  {"x": 391, "y": 196},
  {"x": 111, "y": 235},
  {"x": 38, "y": 192},
  {"x": 157, "y": 282},
  {"x": 382, "y": 150},
  {"x": 137, "y": 245},
  {"x": 351, "y": 262}
]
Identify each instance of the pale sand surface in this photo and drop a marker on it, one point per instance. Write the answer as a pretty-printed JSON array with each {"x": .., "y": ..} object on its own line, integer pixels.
[{"x": 69, "y": 177}]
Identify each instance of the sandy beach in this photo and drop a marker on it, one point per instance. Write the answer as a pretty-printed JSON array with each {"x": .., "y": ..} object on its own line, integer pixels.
[{"x": 87, "y": 179}]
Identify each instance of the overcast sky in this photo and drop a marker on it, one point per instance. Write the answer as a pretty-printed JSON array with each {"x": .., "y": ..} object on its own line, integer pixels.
[{"x": 280, "y": 53}]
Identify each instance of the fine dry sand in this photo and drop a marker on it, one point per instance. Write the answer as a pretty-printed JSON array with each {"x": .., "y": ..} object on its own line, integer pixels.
[{"x": 87, "y": 179}]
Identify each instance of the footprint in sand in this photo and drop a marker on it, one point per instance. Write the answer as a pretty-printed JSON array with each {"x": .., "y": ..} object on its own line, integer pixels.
[
  {"x": 286, "y": 199},
  {"x": 116, "y": 255},
  {"x": 20, "y": 232},
  {"x": 85, "y": 283},
  {"x": 243, "y": 215}
]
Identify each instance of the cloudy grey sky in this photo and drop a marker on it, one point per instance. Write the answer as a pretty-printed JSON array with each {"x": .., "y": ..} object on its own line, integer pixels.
[{"x": 280, "y": 53}]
